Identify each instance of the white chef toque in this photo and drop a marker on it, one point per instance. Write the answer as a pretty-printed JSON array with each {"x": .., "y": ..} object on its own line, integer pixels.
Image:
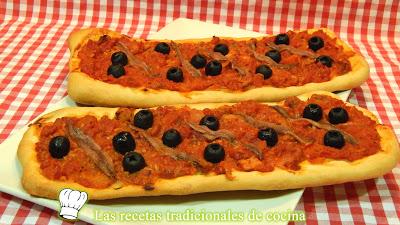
[{"x": 71, "y": 202}]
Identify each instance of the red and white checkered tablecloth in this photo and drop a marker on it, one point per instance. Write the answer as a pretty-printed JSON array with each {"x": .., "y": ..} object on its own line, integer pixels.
[{"x": 34, "y": 56}]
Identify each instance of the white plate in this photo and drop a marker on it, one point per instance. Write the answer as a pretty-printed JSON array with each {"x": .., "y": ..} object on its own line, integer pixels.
[{"x": 237, "y": 201}]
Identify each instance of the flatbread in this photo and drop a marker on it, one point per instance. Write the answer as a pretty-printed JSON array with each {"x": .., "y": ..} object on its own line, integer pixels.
[
  {"x": 86, "y": 90},
  {"x": 310, "y": 175}
]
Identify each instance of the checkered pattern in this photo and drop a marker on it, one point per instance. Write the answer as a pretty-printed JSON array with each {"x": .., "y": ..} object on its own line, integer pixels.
[{"x": 34, "y": 56}]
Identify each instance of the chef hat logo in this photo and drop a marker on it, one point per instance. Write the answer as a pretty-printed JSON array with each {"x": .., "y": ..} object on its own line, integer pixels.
[{"x": 71, "y": 202}]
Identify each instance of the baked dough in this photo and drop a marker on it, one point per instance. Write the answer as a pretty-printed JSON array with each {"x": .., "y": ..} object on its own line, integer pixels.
[
  {"x": 84, "y": 89},
  {"x": 330, "y": 172}
]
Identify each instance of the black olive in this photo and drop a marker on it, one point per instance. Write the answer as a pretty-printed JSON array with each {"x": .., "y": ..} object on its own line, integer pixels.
[
  {"x": 198, "y": 61},
  {"x": 274, "y": 55},
  {"x": 123, "y": 142},
  {"x": 269, "y": 135},
  {"x": 325, "y": 60},
  {"x": 282, "y": 39},
  {"x": 162, "y": 48},
  {"x": 171, "y": 138},
  {"x": 313, "y": 112},
  {"x": 214, "y": 153},
  {"x": 221, "y": 48},
  {"x": 213, "y": 68},
  {"x": 334, "y": 139},
  {"x": 265, "y": 71},
  {"x": 175, "y": 74},
  {"x": 315, "y": 43},
  {"x": 119, "y": 58},
  {"x": 116, "y": 70},
  {"x": 59, "y": 147},
  {"x": 210, "y": 121},
  {"x": 338, "y": 115},
  {"x": 133, "y": 162},
  {"x": 143, "y": 119}
]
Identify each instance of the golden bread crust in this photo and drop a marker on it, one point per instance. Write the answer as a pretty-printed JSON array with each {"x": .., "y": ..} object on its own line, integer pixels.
[
  {"x": 329, "y": 172},
  {"x": 86, "y": 90}
]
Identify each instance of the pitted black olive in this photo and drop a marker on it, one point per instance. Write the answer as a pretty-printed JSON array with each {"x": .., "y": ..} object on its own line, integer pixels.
[
  {"x": 133, "y": 162},
  {"x": 175, "y": 74},
  {"x": 119, "y": 58},
  {"x": 269, "y": 135},
  {"x": 315, "y": 43},
  {"x": 213, "y": 68},
  {"x": 338, "y": 115},
  {"x": 171, "y": 138},
  {"x": 325, "y": 60},
  {"x": 116, "y": 70},
  {"x": 282, "y": 39},
  {"x": 221, "y": 48},
  {"x": 334, "y": 139},
  {"x": 143, "y": 119},
  {"x": 313, "y": 112},
  {"x": 162, "y": 48},
  {"x": 198, "y": 61},
  {"x": 123, "y": 142},
  {"x": 265, "y": 71},
  {"x": 274, "y": 55},
  {"x": 210, "y": 121},
  {"x": 214, "y": 153},
  {"x": 59, "y": 147}
]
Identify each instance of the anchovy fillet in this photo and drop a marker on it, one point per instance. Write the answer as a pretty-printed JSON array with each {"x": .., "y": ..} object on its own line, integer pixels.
[
  {"x": 134, "y": 61},
  {"x": 348, "y": 137},
  {"x": 279, "y": 128},
  {"x": 193, "y": 71},
  {"x": 92, "y": 150},
  {"x": 164, "y": 150}
]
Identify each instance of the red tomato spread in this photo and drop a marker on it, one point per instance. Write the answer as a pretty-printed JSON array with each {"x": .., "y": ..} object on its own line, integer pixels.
[
  {"x": 287, "y": 154},
  {"x": 95, "y": 59}
]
